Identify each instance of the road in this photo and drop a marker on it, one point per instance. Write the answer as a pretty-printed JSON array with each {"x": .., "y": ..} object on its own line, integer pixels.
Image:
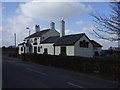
[
  {"x": 19, "y": 74},
  {"x": 0, "y": 69}
]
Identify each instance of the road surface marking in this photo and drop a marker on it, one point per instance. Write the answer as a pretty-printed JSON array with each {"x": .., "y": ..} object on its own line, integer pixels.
[
  {"x": 74, "y": 85},
  {"x": 37, "y": 72}
]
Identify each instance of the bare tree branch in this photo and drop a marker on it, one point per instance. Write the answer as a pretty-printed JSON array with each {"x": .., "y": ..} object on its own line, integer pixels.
[{"x": 109, "y": 25}]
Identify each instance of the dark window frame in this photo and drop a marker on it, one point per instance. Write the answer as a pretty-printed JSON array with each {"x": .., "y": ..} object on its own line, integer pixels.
[
  {"x": 35, "y": 40},
  {"x": 84, "y": 44},
  {"x": 39, "y": 49},
  {"x": 63, "y": 50},
  {"x": 21, "y": 48}
]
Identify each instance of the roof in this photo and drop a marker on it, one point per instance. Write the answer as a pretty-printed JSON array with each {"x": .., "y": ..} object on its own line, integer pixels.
[
  {"x": 68, "y": 39},
  {"x": 22, "y": 43},
  {"x": 38, "y": 34},
  {"x": 52, "y": 39},
  {"x": 95, "y": 44}
]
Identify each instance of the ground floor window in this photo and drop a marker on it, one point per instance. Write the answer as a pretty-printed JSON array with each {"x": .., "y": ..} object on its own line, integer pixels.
[
  {"x": 45, "y": 51},
  {"x": 21, "y": 48},
  {"x": 63, "y": 50},
  {"x": 38, "y": 49},
  {"x": 96, "y": 53},
  {"x": 30, "y": 48}
]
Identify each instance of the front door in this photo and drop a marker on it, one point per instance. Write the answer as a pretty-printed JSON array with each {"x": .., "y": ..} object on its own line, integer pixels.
[
  {"x": 63, "y": 50},
  {"x": 35, "y": 49},
  {"x": 96, "y": 53},
  {"x": 45, "y": 51}
]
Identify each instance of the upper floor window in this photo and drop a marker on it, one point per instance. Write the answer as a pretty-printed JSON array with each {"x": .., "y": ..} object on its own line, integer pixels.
[
  {"x": 27, "y": 41},
  {"x": 35, "y": 40},
  {"x": 31, "y": 41},
  {"x": 84, "y": 44}
]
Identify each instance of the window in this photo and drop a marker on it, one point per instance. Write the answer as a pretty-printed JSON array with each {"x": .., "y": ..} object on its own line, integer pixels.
[
  {"x": 95, "y": 48},
  {"x": 63, "y": 50},
  {"x": 45, "y": 51},
  {"x": 27, "y": 41},
  {"x": 31, "y": 41},
  {"x": 84, "y": 44},
  {"x": 35, "y": 41},
  {"x": 35, "y": 49},
  {"x": 38, "y": 49},
  {"x": 41, "y": 46},
  {"x": 21, "y": 48}
]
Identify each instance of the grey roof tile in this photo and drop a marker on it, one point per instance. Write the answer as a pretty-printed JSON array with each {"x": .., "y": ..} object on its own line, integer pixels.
[
  {"x": 21, "y": 43},
  {"x": 95, "y": 44},
  {"x": 52, "y": 39},
  {"x": 68, "y": 39},
  {"x": 38, "y": 34}
]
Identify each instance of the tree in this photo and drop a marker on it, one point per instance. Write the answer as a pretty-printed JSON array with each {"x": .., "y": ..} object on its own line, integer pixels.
[{"x": 108, "y": 27}]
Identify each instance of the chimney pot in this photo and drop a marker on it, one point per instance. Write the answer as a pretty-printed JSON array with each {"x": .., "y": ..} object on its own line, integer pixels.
[
  {"x": 37, "y": 28},
  {"x": 52, "y": 26}
]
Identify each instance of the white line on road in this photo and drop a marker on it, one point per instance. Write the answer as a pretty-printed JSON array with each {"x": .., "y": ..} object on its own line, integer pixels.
[
  {"x": 74, "y": 85},
  {"x": 37, "y": 71}
]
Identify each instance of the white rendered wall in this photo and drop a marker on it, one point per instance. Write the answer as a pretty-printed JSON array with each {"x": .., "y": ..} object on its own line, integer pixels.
[
  {"x": 57, "y": 50},
  {"x": 49, "y": 47},
  {"x": 19, "y": 51},
  {"x": 39, "y": 39},
  {"x": 70, "y": 50},
  {"x": 81, "y": 51}
]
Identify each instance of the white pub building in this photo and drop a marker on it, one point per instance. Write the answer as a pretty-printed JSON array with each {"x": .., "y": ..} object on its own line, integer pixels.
[{"x": 50, "y": 41}]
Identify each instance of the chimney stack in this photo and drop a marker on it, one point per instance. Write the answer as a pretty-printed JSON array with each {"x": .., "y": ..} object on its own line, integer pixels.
[
  {"x": 62, "y": 28},
  {"x": 37, "y": 28},
  {"x": 52, "y": 26}
]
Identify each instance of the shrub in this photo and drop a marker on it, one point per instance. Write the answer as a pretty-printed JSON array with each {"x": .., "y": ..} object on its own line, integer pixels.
[{"x": 102, "y": 66}]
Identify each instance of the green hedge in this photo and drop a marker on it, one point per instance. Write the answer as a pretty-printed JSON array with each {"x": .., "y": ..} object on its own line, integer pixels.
[{"x": 105, "y": 67}]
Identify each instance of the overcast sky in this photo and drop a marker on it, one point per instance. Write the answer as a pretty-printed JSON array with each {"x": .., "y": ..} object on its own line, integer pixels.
[{"x": 16, "y": 16}]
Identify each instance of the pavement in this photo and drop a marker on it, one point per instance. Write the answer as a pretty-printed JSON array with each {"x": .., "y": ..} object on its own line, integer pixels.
[{"x": 19, "y": 74}]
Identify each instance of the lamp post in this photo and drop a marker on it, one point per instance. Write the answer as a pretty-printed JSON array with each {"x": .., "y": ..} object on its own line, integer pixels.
[{"x": 29, "y": 40}]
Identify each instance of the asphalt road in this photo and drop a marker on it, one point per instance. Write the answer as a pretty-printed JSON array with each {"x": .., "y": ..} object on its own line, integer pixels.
[
  {"x": 19, "y": 74},
  {"x": 0, "y": 69}
]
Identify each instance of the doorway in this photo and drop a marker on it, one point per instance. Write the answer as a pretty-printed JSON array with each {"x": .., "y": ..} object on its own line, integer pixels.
[
  {"x": 96, "y": 53},
  {"x": 45, "y": 51},
  {"x": 35, "y": 49},
  {"x": 63, "y": 50}
]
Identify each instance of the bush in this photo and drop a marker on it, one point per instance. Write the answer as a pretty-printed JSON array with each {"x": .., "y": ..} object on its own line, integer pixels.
[{"x": 102, "y": 66}]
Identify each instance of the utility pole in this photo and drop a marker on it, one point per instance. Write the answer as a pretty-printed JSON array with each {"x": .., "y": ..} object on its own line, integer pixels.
[
  {"x": 29, "y": 40},
  {"x": 15, "y": 38}
]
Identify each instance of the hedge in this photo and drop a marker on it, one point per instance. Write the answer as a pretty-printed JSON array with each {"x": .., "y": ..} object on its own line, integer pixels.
[{"x": 105, "y": 67}]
